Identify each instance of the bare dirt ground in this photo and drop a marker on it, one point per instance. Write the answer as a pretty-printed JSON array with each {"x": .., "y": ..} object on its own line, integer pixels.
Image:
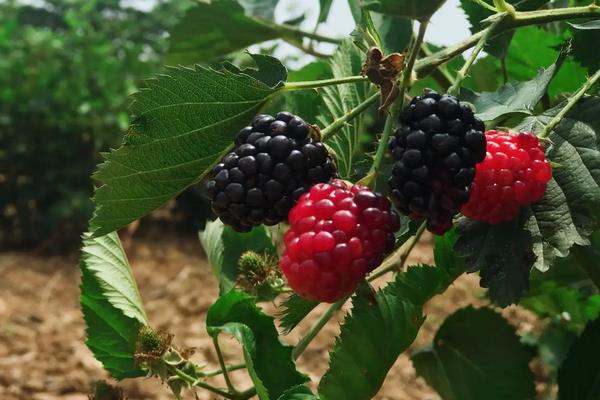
[{"x": 42, "y": 350}]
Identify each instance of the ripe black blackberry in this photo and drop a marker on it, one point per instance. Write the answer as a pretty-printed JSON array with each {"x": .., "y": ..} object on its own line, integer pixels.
[
  {"x": 435, "y": 149},
  {"x": 275, "y": 160}
]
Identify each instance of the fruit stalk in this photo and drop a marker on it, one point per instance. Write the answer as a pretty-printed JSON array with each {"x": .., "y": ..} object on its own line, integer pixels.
[
  {"x": 570, "y": 104},
  {"x": 350, "y": 115},
  {"x": 394, "y": 109},
  {"x": 462, "y": 74}
]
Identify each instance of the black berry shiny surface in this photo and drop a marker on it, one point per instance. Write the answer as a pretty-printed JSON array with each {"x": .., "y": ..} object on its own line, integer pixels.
[
  {"x": 435, "y": 148},
  {"x": 275, "y": 160}
]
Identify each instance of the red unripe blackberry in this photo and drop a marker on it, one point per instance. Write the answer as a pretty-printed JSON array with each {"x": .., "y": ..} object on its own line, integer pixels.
[
  {"x": 513, "y": 174},
  {"x": 435, "y": 149},
  {"x": 338, "y": 233},
  {"x": 275, "y": 160}
]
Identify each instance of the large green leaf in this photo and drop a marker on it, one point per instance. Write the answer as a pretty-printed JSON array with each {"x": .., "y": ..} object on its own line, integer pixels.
[
  {"x": 306, "y": 103},
  {"x": 513, "y": 97},
  {"x": 502, "y": 253},
  {"x": 568, "y": 213},
  {"x": 585, "y": 40},
  {"x": 416, "y": 9},
  {"x": 111, "y": 305},
  {"x": 182, "y": 124},
  {"x": 206, "y": 33},
  {"x": 337, "y": 100},
  {"x": 579, "y": 376},
  {"x": 376, "y": 332},
  {"x": 269, "y": 362},
  {"x": 476, "y": 355},
  {"x": 523, "y": 62},
  {"x": 224, "y": 246}
]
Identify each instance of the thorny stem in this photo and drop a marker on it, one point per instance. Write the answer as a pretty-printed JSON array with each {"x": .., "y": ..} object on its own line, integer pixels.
[
  {"x": 462, "y": 74},
  {"x": 223, "y": 365},
  {"x": 304, "y": 85},
  {"x": 314, "y": 331},
  {"x": 228, "y": 368},
  {"x": 394, "y": 109},
  {"x": 341, "y": 122},
  {"x": 401, "y": 255},
  {"x": 521, "y": 18},
  {"x": 570, "y": 104}
]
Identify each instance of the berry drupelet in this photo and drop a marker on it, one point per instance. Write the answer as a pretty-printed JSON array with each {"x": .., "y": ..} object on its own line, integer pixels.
[
  {"x": 338, "y": 233},
  {"x": 514, "y": 174},
  {"x": 435, "y": 149},
  {"x": 275, "y": 160}
]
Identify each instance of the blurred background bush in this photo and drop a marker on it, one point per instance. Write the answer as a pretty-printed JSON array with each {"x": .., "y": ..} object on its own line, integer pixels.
[{"x": 66, "y": 68}]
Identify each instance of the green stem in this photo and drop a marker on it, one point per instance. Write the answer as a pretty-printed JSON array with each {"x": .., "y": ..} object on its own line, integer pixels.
[
  {"x": 341, "y": 122},
  {"x": 195, "y": 382},
  {"x": 305, "y": 341},
  {"x": 246, "y": 394},
  {"x": 229, "y": 368},
  {"x": 390, "y": 264},
  {"x": 293, "y": 32},
  {"x": 305, "y": 85},
  {"x": 223, "y": 365},
  {"x": 485, "y": 5},
  {"x": 462, "y": 74},
  {"x": 570, "y": 104},
  {"x": 390, "y": 121},
  {"x": 428, "y": 64}
]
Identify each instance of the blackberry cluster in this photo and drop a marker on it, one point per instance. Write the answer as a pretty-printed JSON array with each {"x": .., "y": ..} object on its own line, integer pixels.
[
  {"x": 435, "y": 149},
  {"x": 514, "y": 174},
  {"x": 275, "y": 160},
  {"x": 338, "y": 233}
]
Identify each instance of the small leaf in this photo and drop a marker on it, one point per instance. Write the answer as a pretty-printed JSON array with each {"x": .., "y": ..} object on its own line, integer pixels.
[
  {"x": 269, "y": 71},
  {"x": 339, "y": 99},
  {"x": 111, "y": 305},
  {"x": 444, "y": 254},
  {"x": 513, "y": 97},
  {"x": 306, "y": 103},
  {"x": 476, "y": 355},
  {"x": 325, "y": 6},
  {"x": 415, "y": 9},
  {"x": 293, "y": 310},
  {"x": 589, "y": 25},
  {"x": 375, "y": 334},
  {"x": 584, "y": 42},
  {"x": 224, "y": 246},
  {"x": 567, "y": 214},
  {"x": 501, "y": 252},
  {"x": 206, "y": 33},
  {"x": 269, "y": 362},
  {"x": 182, "y": 124},
  {"x": 579, "y": 376}
]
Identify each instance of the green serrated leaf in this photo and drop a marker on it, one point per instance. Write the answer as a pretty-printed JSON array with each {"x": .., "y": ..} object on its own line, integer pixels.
[
  {"x": 579, "y": 376},
  {"x": 337, "y": 100},
  {"x": 375, "y": 334},
  {"x": 224, "y": 246},
  {"x": 293, "y": 310},
  {"x": 444, "y": 254},
  {"x": 476, "y": 355},
  {"x": 502, "y": 253},
  {"x": 300, "y": 392},
  {"x": 206, "y": 33},
  {"x": 415, "y": 9},
  {"x": 396, "y": 32},
  {"x": 305, "y": 103},
  {"x": 111, "y": 305},
  {"x": 513, "y": 97},
  {"x": 567, "y": 214},
  {"x": 584, "y": 42},
  {"x": 269, "y": 71},
  {"x": 182, "y": 124},
  {"x": 269, "y": 362}
]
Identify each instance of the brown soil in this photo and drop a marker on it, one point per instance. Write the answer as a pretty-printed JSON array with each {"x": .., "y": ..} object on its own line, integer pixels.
[{"x": 42, "y": 350}]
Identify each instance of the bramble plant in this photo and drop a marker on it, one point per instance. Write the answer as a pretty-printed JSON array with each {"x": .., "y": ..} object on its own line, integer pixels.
[{"x": 498, "y": 155}]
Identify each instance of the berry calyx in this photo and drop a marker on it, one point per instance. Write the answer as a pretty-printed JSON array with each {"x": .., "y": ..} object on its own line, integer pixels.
[
  {"x": 435, "y": 149},
  {"x": 513, "y": 174},
  {"x": 274, "y": 161},
  {"x": 338, "y": 233}
]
